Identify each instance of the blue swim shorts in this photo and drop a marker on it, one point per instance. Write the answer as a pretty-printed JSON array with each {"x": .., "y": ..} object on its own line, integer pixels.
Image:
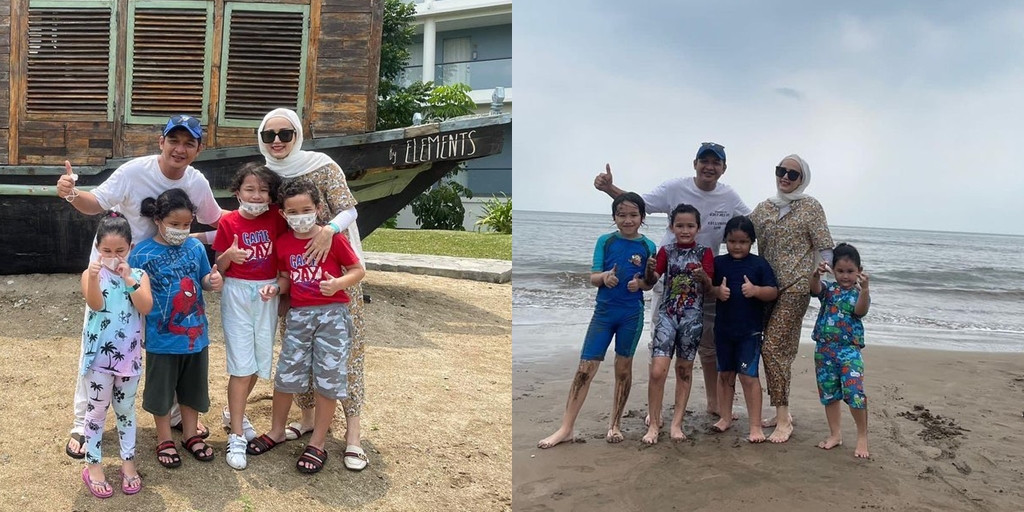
[
  {"x": 740, "y": 354},
  {"x": 625, "y": 324}
]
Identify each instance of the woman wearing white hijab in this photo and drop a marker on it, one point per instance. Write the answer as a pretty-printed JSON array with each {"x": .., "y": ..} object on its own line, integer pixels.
[
  {"x": 280, "y": 141},
  {"x": 792, "y": 234}
]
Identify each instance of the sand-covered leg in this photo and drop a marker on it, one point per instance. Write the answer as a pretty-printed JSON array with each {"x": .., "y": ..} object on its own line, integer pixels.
[{"x": 577, "y": 395}]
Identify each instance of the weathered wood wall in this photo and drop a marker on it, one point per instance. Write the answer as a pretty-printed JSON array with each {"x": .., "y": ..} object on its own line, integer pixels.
[{"x": 343, "y": 62}]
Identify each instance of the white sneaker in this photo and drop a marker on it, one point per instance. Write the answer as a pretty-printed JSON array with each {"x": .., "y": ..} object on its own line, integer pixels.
[
  {"x": 236, "y": 451},
  {"x": 247, "y": 429}
]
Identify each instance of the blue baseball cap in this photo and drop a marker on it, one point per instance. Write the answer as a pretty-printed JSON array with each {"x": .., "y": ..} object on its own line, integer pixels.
[
  {"x": 717, "y": 149},
  {"x": 192, "y": 124}
]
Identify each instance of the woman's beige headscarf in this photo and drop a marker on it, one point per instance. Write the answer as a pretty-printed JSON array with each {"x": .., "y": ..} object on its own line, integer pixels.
[{"x": 782, "y": 199}]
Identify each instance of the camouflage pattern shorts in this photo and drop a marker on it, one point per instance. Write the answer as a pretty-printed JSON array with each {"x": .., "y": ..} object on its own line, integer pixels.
[{"x": 316, "y": 337}]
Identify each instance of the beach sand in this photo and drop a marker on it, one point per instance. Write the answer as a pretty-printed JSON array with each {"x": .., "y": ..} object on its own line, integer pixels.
[
  {"x": 436, "y": 423},
  {"x": 945, "y": 433}
]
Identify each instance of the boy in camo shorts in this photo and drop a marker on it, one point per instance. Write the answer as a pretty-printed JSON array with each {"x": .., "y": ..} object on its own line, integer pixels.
[{"x": 318, "y": 325}]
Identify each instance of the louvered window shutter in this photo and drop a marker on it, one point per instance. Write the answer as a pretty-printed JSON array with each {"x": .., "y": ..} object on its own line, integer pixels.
[
  {"x": 264, "y": 61},
  {"x": 168, "y": 44},
  {"x": 68, "y": 62}
]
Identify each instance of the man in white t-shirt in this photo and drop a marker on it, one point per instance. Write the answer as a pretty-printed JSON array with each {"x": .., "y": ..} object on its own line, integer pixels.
[
  {"x": 717, "y": 203},
  {"x": 124, "y": 190}
]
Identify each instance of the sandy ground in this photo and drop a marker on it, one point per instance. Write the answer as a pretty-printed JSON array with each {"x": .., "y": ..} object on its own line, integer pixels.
[
  {"x": 436, "y": 424},
  {"x": 945, "y": 433}
]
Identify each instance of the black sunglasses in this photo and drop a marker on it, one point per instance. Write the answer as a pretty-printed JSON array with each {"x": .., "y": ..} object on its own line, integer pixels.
[
  {"x": 284, "y": 134},
  {"x": 790, "y": 174}
]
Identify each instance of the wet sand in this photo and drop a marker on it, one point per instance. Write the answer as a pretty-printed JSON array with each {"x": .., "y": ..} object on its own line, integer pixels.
[{"x": 945, "y": 430}]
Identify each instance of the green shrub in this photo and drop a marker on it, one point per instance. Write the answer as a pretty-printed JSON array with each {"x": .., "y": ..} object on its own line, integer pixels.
[
  {"x": 441, "y": 207},
  {"x": 497, "y": 215}
]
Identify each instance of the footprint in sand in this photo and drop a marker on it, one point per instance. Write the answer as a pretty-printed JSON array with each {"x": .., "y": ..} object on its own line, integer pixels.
[{"x": 581, "y": 469}]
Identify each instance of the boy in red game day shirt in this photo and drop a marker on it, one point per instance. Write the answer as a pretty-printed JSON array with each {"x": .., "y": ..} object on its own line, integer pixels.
[
  {"x": 318, "y": 326},
  {"x": 248, "y": 304}
]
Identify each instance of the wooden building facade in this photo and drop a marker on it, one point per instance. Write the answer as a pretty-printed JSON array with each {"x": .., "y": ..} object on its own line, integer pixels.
[{"x": 92, "y": 80}]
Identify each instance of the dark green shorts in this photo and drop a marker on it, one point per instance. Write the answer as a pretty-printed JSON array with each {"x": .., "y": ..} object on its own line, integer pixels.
[{"x": 186, "y": 375}]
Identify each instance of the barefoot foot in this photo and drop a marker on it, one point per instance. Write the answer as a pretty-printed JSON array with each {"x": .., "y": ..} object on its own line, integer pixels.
[
  {"x": 556, "y": 439},
  {"x": 647, "y": 421},
  {"x": 651, "y": 437},
  {"x": 614, "y": 435},
  {"x": 676, "y": 434},
  {"x": 861, "y": 452},
  {"x": 722, "y": 425},
  {"x": 781, "y": 433},
  {"x": 773, "y": 421},
  {"x": 756, "y": 434},
  {"x": 830, "y": 442}
]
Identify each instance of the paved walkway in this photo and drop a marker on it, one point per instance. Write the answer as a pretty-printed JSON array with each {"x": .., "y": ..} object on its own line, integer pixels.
[{"x": 492, "y": 271}]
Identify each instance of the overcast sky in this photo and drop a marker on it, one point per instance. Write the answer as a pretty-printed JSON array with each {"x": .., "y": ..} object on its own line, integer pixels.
[{"x": 909, "y": 114}]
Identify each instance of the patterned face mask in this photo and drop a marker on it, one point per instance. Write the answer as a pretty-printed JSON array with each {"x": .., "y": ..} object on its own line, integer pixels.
[
  {"x": 254, "y": 209},
  {"x": 175, "y": 236},
  {"x": 302, "y": 223}
]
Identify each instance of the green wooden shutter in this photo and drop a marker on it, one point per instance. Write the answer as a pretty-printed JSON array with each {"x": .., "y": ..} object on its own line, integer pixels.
[
  {"x": 168, "y": 50},
  {"x": 69, "y": 61},
  {"x": 264, "y": 63}
]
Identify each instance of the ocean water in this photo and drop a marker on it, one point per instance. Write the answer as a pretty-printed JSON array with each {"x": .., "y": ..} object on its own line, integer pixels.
[{"x": 929, "y": 289}]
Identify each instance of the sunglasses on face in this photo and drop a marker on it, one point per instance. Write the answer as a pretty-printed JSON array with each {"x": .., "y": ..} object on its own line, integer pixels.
[
  {"x": 285, "y": 134},
  {"x": 790, "y": 174}
]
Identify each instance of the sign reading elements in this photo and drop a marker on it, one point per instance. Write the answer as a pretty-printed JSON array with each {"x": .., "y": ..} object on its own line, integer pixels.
[{"x": 443, "y": 146}]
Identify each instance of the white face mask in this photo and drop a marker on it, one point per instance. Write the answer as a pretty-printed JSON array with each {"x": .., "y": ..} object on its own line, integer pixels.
[
  {"x": 302, "y": 223},
  {"x": 254, "y": 209},
  {"x": 175, "y": 236},
  {"x": 110, "y": 263}
]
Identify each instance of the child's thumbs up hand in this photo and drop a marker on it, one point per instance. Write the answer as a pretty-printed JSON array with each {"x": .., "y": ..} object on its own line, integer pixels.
[
  {"x": 748, "y": 288},
  {"x": 329, "y": 285},
  {"x": 236, "y": 254},
  {"x": 723, "y": 291},
  {"x": 610, "y": 279},
  {"x": 94, "y": 266},
  {"x": 634, "y": 284},
  {"x": 216, "y": 280}
]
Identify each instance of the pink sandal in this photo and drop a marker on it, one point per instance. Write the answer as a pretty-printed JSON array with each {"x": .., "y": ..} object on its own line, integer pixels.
[
  {"x": 89, "y": 485},
  {"x": 130, "y": 484}
]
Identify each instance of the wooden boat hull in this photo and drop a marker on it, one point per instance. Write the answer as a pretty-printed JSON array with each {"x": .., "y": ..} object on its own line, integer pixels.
[{"x": 41, "y": 233}]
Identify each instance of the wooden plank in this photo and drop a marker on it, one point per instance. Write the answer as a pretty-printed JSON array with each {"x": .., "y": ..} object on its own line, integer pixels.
[
  {"x": 312, "y": 55},
  {"x": 216, "y": 54},
  {"x": 15, "y": 107},
  {"x": 120, "y": 77},
  {"x": 3, "y": 149},
  {"x": 373, "y": 69}
]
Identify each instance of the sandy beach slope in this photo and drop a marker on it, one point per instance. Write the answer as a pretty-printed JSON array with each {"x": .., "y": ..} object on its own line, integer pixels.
[
  {"x": 436, "y": 423},
  {"x": 945, "y": 433}
]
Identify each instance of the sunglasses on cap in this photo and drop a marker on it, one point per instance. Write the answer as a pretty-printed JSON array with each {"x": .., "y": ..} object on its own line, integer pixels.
[
  {"x": 285, "y": 134},
  {"x": 192, "y": 124},
  {"x": 790, "y": 174},
  {"x": 711, "y": 145}
]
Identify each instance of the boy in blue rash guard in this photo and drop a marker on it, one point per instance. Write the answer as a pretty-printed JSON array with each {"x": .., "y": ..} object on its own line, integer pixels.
[{"x": 620, "y": 261}]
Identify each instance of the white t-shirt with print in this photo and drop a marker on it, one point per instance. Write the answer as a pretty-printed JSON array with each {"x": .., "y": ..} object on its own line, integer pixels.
[
  {"x": 715, "y": 207},
  {"x": 140, "y": 178}
]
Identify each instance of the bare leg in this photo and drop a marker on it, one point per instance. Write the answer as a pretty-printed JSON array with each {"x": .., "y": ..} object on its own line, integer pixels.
[
  {"x": 752, "y": 396},
  {"x": 835, "y": 433},
  {"x": 238, "y": 392},
  {"x": 684, "y": 379},
  {"x": 706, "y": 351},
  {"x": 655, "y": 395},
  {"x": 352, "y": 434},
  {"x": 282, "y": 403},
  {"x": 577, "y": 395},
  {"x": 726, "y": 393},
  {"x": 308, "y": 418},
  {"x": 623, "y": 382},
  {"x": 323, "y": 417},
  {"x": 860, "y": 417}
]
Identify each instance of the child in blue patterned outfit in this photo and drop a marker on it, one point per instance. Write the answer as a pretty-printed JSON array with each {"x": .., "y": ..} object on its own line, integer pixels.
[
  {"x": 839, "y": 337},
  {"x": 620, "y": 261}
]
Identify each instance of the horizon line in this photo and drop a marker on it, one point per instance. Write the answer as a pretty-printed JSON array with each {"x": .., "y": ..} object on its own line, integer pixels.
[{"x": 1015, "y": 235}]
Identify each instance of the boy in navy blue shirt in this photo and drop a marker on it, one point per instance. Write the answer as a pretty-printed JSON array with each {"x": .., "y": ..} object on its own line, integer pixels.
[{"x": 743, "y": 283}]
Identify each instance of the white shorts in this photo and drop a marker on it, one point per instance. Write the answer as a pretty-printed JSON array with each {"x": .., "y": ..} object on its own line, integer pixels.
[{"x": 249, "y": 327}]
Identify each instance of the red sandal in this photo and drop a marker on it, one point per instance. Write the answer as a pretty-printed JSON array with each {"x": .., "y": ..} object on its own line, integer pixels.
[
  {"x": 161, "y": 451},
  {"x": 313, "y": 456},
  {"x": 199, "y": 453}
]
